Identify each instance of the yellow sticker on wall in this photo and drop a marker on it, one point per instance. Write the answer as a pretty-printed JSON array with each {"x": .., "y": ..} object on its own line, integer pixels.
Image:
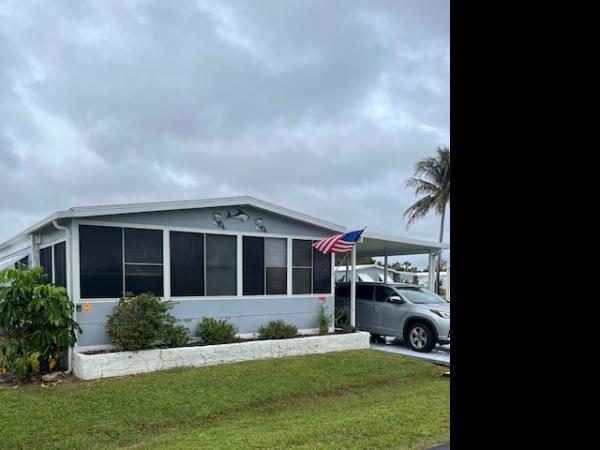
[{"x": 87, "y": 307}]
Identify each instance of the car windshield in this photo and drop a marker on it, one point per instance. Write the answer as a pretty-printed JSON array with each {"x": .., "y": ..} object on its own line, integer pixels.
[{"x": 421, "y": 295}]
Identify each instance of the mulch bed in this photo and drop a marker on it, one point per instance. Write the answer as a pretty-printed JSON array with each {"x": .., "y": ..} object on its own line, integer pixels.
[{"x": 9, "y": 381}]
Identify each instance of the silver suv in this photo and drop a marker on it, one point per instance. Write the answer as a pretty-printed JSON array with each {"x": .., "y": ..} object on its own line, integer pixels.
[{"x": 408, "y": 312}]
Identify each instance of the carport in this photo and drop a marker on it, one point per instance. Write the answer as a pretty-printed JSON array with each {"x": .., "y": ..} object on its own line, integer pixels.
[{"x": 381, "y": 245}]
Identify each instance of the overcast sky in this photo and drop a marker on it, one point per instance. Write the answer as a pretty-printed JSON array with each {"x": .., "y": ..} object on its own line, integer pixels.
[{"x": 319, "y": 106}]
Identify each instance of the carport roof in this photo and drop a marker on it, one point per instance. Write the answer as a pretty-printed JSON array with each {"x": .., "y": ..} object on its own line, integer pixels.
[{"x": 375, "y": 244}]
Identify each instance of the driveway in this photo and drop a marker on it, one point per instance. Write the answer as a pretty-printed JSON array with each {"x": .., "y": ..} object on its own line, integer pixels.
[{"x": 439, "y": 355}]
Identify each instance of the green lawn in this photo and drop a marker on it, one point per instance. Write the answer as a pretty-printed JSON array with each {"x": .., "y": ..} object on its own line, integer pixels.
[{"x": 353, "y": 399}]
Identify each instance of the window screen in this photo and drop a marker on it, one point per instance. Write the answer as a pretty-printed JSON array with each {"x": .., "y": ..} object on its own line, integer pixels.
[
  {"x": 221, "y": 265},
  {"x": 321, "y": 272},
  {"x": 276, "y": 265},
  {"x": 101, "y": 261},
  {"x": 187, "y": 264},
  {"x": 254, "y": 265},
  {"x": 301, "y": 266},
  {"x": 46, "y": 262},
  {"x": 143, "y": 261},
  {"x": 60, "y": 264}
]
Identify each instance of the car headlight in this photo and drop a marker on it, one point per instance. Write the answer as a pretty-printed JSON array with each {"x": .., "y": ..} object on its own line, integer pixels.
[{"x": 443, "y": 314}]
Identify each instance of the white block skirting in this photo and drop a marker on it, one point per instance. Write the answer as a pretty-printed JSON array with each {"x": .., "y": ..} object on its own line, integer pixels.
[{"x": 105, "y": 365}]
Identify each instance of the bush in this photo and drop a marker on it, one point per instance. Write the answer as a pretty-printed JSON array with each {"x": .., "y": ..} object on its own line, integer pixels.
[
  {"x": 139, "y": 322},
  {"x": 277, "y": 329},
  {"x": 216, "y": 331},
  {"x": 38, "y": 320},
  {"x": 324, "y": 321},
  {"x": 175, "y": 335}
]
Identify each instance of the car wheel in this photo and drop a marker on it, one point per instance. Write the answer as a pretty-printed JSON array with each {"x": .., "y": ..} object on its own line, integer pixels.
[{"x": 420, "y": 337}]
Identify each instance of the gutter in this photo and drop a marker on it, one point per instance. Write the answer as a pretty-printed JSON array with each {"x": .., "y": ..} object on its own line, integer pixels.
[{"x": 69, "y": 284}]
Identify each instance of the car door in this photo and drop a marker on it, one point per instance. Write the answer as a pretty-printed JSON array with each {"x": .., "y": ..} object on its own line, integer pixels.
[
  {"x": 391, "y": 315},
  {"x": 364, "y": 307}
]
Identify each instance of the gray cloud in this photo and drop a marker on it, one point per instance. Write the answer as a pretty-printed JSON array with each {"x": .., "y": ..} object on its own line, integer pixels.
[{"x": 320, "y": 106}]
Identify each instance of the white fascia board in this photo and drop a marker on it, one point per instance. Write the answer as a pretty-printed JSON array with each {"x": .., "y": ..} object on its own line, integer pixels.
[{"x": 404, "y": 240}]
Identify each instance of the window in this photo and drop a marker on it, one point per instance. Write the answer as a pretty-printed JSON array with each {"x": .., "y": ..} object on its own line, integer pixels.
[
  {"x": 101, "y": 261},
  {"x": 382, "y": 293},
  {"x": 311, "y": 269},
  {"x": 343, "y": 291},
  {"x": 143, "y": 261},
  {"x": 23, "y": 263},
  {"x": 46, "y": 262},
  {"x": 321, "y": 272},
  {"x": 60, "y": 264},
  {"x": 276, "y": 265},
  {"x": 301, "y": 266},
  {"x": 364, "y": 292},
  {"x": 253, "y": 258},
  {"x": 187, "y": 264},
  {"x": 221, "y": 264}
]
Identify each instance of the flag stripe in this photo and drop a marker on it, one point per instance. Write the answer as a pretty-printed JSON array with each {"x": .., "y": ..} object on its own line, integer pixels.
[{"x": 340, "y": 243}]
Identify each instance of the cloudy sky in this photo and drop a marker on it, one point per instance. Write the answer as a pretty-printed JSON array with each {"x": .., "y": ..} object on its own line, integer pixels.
[{"x": 319, "y": 106}]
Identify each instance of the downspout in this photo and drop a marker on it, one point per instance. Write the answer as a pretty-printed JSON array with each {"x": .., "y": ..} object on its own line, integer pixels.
[{"x": 69, "y": 284}]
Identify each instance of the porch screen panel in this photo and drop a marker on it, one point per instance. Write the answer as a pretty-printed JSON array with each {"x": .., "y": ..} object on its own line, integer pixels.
[
  {"x": 302, "y": 266},
  {"x": 46, "y": 262},
  {"x": 187, "y": 264},
  {"x": 253, "y": 265},
  {"x": 321, "y": 272},
  {"x": 101, "y": 261},
  {"x": 60, "y": 264},
  {"x": 143, "y": 261},
  {"x": 276, "y": 265},
  {"x": 221, "y": 264}
]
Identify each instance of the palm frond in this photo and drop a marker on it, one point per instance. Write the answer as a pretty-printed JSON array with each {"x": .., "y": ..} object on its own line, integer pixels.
[{"x": 419, "y": 209}]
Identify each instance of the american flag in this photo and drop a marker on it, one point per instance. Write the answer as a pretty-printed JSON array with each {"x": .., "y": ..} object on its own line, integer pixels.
[{"x": 340, "y": 243}]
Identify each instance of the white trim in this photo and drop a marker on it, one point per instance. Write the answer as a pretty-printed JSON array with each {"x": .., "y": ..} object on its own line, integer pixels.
[
  {"x": 239, "y": 267},
  {"x": 217, "y": 297},
  {"x": 75, "y": 269},
  {"x": 166, "y": 263},
  {"x": 289, "y": 266}
]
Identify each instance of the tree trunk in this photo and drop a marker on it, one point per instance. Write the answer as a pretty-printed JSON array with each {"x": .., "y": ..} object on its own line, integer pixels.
[{"x": 439, "y": 268}]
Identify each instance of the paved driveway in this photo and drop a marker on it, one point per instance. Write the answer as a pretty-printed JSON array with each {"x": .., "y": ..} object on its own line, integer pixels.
[{"x": 440, "y": 354}]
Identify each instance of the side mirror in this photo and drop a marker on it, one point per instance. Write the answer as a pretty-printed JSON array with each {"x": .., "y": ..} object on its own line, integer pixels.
[{"x": 395, "y": 299}]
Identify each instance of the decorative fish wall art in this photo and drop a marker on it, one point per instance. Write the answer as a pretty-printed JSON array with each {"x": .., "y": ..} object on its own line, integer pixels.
[{"x": 243, "y": 217}]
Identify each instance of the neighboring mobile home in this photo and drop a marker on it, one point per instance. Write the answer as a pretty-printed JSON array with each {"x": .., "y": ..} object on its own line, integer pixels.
[
  {"x": 374, "y": 272},
  {"x": 237, "y": 258}
]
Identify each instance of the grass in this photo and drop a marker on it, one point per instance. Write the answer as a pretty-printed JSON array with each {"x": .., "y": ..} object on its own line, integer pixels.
[{"x": 353, "y": 399}]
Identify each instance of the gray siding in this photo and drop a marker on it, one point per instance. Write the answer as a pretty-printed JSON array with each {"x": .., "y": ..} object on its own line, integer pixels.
[
  {"x": 203, "y": 219},
  {"x": 248, "y": 314}
]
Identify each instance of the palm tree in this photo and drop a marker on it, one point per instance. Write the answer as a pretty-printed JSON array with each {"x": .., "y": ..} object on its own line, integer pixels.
[{"x": 432, "y": 178}]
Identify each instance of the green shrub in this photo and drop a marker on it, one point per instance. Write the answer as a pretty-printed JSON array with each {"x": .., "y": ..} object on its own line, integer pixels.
[
  {"x": 139, "y": 322},
  {"x": 324, "y": 321},
  {"x": 38, "y": 320},
  {"x": 277, "y": 329},
  {"x": 216, "y": 331},
  {"x": 175, "y": 335}
]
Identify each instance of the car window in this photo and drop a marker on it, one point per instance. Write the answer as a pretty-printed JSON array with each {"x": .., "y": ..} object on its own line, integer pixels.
[
  {"x": 364, "y": 292},
  {"x": 343, "y": 291},
  {"x": 382, "y": 293},
  {"x": 421, "y": 295}
]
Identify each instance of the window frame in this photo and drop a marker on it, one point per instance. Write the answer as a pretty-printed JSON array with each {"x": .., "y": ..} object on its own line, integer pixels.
[
  {"x": 289, "y": 238},
  {"x": 52, "y": 244}
]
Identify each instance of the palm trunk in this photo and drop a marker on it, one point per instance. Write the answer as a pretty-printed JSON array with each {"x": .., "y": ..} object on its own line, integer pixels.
[{"x": 439, "y": 268}]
